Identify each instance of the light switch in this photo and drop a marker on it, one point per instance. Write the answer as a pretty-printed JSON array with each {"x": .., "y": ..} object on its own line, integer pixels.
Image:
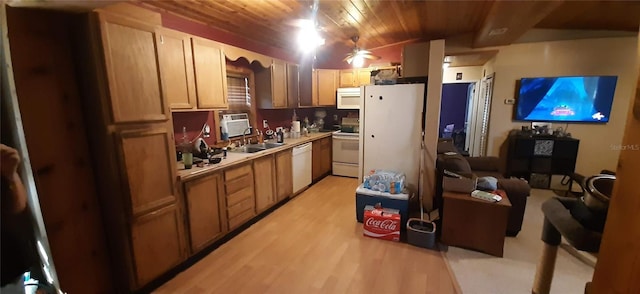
[{"x": 509, "y": 101}]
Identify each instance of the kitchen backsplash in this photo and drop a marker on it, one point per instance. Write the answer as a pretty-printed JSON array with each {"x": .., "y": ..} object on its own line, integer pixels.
[
  {"x": 193, "y": 121},
  {"x": 282, "y": 117}
]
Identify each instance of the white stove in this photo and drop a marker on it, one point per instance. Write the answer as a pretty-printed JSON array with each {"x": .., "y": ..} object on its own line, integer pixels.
[{"x": 345, "y": 154}]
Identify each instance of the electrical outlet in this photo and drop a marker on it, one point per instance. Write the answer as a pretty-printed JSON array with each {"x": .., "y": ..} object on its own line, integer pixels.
[
  {"x": 265, "y": 124},
  {"x": 509, "y": 101}
]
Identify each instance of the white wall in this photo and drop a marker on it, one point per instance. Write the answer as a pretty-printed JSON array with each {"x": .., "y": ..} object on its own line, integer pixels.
[
  {"x": 609, "y": 56},
  {"x": 469, "y": 73}
]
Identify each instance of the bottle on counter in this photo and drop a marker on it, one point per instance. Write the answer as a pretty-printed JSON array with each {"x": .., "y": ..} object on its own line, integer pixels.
[
  {"x": 224, "y": 132},
  {"x": 280, "y": 136},
  {"x": 187, "y": 152}
]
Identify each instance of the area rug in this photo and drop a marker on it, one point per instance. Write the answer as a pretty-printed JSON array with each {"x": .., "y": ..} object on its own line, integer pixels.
[{"x": 514, "y": 273}]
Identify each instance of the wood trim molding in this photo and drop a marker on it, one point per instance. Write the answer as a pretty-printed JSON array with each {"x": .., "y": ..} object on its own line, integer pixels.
[{"x": 234, "y": 53}]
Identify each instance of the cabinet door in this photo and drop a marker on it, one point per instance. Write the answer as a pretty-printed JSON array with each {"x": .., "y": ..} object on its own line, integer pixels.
[
  {"x": 347, "y": 78},
  {"x": 314, "y": 87},
  {"x": 279, "y": 84},
  {"x": 316, "y": 160},
  {"x": 148, "y": 167},
  {"x": 293, "y": 90},
  {"x": 157, "y": 243},
  {"x": 132, "y": 70},
  {"x": 210, "y": 72},
  {"x": 264, "y": 178},
  {"x": 284, "y": 175},
  {"x": 327, "y": 86},
  {"x": 176, "y": 66},
  {"x": 364, "y": 77},
  {"x": 205, "y": 200},
  {"x": 325, "y": 155}
]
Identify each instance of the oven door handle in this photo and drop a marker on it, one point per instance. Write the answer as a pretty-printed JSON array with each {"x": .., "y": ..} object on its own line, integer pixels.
[{"x": 346, "y": 138}]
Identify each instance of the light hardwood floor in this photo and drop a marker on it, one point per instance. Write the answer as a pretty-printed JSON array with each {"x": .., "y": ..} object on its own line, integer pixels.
[{"x": 313, "y": 244}]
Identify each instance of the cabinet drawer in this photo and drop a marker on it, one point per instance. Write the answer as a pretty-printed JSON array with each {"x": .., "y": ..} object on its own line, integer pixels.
[
  {"x": 242, "y": 206},
  {"x": 240, "y": 219},
  {"x": 239, "y": 196},
  {"x": 235, "y": 185},
  {"x": 237, "y": 172}
]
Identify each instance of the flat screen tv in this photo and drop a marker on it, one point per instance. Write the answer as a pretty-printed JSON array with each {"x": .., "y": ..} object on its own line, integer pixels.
[{"x": 585, "y": 99}]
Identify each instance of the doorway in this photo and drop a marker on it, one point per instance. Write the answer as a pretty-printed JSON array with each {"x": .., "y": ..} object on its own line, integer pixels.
[{"x": 456, "y": 113}]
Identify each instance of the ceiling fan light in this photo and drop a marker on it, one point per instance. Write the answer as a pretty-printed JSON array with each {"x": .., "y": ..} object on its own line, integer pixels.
[
  {"x": 446, "y": 65},
  {"x": 358, "y": 60}
]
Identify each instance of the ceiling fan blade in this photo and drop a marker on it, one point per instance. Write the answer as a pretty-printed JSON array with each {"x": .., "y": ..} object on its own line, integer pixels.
[
  {"x": 348, "y": 59},
  {"x": 372, "y": 57}
]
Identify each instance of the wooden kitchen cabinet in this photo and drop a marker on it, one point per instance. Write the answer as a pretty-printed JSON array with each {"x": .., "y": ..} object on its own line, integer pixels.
[
  {"x": 133, "y": 75},
  {"x": 239, "y": 195},
  {"x": 264, "y": 171},
  {"x": 321, "y": 158},
  {"x": 133, "y": 140},
  {"x": 271, "y": 86},
  {"x": 326, "y": 84},
  {"x": 176, "y": 66},
  {"x": 210, "y": 74},
  {"x": 206, "y": 210},
  {"x": 284, "y": 174},
  {"x": 293, "y": 85},
  {"x": 157, "y": 243},
  {"x": 355, "y": 77},
  {"x": 306, "y": 82}
]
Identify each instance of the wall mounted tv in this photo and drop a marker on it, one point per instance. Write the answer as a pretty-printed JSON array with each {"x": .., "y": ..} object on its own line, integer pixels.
[{"x": 565, "y": 99}]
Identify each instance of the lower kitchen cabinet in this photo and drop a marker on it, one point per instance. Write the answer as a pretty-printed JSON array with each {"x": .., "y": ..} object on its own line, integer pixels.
[
  {"x": 321, "y": 153},
  {"x": 284, "y": 174},
  {"x": 157, "y": 243},
  {"x": 205, "y": 208},
  {"x": 239, "y": 195},
  {"x": 264, "y": 170}
]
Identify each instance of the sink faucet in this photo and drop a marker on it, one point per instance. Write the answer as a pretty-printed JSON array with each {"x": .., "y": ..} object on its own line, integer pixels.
[{"x": 244, "y": 141}]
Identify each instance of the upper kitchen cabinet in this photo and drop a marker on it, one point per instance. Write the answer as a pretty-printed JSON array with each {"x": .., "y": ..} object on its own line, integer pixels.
[
  {"x": 271, "y": 86},
  {"x": 355, "y": 77},
  {"x": 176, "y": 66},
  {"x": 326, "y": 86},
  {"x": 293, "y": 85},
  {"x": 134, "y": 83},
  {"x": 210, "y": 74}
]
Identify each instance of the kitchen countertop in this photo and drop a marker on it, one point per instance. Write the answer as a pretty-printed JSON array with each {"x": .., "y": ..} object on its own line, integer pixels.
[{"x": 234, "y": 158}]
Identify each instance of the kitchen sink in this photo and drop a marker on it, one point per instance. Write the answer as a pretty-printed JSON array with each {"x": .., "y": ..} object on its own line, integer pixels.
[{"x": 253, "y": 148}]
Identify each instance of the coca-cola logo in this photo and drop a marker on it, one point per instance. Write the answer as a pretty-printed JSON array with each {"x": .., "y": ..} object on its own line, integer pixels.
[{"x": 386, "y": 224}]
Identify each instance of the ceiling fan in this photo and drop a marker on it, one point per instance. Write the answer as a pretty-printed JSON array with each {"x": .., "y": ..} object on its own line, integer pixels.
[{"x": 357, "y": 55}]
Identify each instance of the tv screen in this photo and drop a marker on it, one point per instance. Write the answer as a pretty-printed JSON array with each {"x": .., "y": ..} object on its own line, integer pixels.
[{"x": 566, "y": 99}]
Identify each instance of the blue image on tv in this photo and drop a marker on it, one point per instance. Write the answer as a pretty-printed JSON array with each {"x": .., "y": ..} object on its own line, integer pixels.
[{"x": 566, "y": 99}]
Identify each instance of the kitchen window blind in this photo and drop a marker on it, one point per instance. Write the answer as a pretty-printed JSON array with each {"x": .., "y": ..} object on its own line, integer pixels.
[{"x": 238, "y": 95}]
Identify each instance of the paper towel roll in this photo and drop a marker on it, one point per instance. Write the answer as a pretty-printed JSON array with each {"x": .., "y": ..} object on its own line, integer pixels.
[{"x": 295, "y": 126}]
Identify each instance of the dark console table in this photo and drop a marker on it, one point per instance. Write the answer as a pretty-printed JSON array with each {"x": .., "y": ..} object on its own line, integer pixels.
[{"x": 536, "y": 157}]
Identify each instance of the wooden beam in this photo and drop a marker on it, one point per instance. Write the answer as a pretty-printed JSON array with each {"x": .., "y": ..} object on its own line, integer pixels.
[{"x": 508, "y": 20}]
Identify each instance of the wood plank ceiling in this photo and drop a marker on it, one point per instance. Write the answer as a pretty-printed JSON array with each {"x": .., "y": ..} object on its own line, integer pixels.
[{"x": 382, "y": 23}]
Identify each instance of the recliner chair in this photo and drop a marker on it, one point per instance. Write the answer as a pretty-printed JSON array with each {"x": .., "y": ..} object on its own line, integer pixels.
[{"x": 517, "y": 190}]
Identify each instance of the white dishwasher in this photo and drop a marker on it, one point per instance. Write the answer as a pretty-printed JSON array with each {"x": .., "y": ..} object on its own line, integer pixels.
[{"x": 301, "y": 167}]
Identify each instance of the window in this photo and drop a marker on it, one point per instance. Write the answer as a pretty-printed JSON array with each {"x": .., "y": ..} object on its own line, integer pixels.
[{"x": 238, "y": 92}]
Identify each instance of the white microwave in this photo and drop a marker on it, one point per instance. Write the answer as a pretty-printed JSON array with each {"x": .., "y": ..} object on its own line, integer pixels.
[{"x": 348, "y": 98}]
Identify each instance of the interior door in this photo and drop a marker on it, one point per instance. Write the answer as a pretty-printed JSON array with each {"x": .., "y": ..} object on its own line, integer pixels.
[{"x": 393, "y": 129}]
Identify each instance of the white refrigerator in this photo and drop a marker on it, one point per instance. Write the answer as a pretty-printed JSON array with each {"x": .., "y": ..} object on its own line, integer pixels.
[{"x": 391, "y": 119}]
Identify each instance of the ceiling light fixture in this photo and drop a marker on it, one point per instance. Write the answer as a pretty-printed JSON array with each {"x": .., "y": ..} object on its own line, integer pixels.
[
  {"x": 308, "y": 37},
  {"x": 358, "y": 60}
]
